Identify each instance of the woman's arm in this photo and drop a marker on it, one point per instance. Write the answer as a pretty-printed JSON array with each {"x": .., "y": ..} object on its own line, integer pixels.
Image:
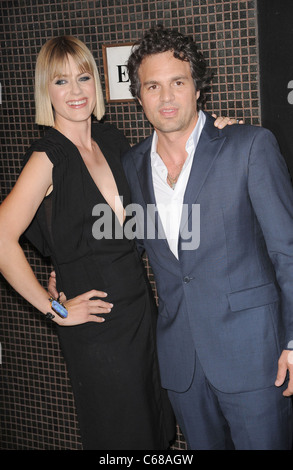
[{"x": 16, "y": 213}]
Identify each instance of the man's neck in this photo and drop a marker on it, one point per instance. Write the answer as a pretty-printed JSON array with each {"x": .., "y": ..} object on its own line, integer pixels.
[{"x": 172, "y": 146}]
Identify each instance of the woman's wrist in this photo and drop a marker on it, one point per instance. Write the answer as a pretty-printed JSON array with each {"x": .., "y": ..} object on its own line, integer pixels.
[
  {"x": 58, "y": 307},
  {"x": 56, "y": 311}
]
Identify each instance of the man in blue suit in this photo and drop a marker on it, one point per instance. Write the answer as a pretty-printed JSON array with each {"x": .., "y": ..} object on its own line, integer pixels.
[{"x": 225, "y": 327}]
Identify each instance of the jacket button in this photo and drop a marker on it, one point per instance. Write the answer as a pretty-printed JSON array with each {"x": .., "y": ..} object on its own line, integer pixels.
[{"x": 186, "y": 279}]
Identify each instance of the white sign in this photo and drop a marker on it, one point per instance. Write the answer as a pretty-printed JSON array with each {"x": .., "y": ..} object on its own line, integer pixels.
[{"x": 115, "y": 58}]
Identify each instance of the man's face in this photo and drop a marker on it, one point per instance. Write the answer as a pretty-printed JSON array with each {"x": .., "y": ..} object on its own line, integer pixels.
[{"x": 168, "y": 94}]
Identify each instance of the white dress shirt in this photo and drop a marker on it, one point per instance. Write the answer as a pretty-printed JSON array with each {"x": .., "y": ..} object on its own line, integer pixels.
[{"x": 169, "y": 201}]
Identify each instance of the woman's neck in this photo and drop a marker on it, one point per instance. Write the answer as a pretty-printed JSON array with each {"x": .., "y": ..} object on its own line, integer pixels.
[{"x": 79, "y": 133}]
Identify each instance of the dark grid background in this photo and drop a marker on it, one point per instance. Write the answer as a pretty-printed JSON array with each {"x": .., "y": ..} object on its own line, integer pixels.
[{"x": 36, "y": 404}]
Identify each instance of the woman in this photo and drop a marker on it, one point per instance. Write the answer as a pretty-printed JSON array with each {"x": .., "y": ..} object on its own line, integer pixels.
[{"x": 107, "y": 336}]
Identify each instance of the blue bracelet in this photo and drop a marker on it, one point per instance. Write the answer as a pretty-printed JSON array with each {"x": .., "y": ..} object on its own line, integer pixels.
[{"x": 58, "y": 308}]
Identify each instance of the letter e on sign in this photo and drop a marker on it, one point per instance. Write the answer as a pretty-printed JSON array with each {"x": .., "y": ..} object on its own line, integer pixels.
[{"x": 290, "y": 94}]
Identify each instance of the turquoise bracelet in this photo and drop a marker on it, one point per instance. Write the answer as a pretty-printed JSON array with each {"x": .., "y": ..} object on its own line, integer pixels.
[{"x": 58, "y": 308}]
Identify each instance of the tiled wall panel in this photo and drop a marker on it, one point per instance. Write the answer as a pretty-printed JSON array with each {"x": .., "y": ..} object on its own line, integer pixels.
[{"x": 36, "y": 404}]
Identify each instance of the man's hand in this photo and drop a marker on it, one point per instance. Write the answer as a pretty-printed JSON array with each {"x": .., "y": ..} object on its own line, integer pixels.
[
  {"x": 285, "y": 363},
  {"x": 52, "y": 288},
  {"x": 223, "y": 121}
]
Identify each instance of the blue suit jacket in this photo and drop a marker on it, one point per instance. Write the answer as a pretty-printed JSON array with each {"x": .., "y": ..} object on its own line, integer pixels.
[{"x": 230, "y": 299}]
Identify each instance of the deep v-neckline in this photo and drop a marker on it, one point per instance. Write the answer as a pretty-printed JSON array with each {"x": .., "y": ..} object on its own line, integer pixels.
[{"x": 111, "y": 167}]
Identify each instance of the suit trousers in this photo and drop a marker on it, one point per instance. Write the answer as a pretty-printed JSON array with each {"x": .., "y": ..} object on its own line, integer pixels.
[{"x": 213, "y": 420}]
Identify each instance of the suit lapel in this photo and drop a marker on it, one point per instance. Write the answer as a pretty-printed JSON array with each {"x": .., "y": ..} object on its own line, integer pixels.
[
  {"x": 144, "y": 172},
  {"x": 207, "y": 151}
]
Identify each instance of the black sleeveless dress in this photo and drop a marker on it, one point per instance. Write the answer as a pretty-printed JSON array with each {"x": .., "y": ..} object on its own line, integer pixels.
[{"x": 112, "y": 365}]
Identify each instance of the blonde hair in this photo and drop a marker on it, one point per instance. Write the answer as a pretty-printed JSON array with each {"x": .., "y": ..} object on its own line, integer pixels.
[{"x": 50, "y": 63}]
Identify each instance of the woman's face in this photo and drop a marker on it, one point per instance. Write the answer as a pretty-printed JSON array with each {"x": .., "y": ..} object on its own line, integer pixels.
[{"x": 72, "y": 94}]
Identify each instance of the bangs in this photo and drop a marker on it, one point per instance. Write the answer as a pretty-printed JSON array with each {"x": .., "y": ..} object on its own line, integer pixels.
[{"x": 59, "y": 61}]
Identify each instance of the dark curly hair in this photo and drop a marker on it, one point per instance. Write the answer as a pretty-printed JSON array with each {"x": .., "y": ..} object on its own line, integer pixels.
[{"x": 158, "y": 40}]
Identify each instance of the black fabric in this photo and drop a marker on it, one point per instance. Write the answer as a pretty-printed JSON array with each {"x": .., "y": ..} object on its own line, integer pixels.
[
  {"x": 276, "y": 71},
  {"x": 112, "y": 365}
]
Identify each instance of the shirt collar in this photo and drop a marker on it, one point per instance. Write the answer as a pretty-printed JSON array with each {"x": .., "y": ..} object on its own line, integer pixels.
[{"x": 190, "y": 144}]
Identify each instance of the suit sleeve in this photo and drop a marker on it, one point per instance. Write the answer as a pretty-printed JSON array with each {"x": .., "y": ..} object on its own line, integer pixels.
[{"x": 271, "y": 194}]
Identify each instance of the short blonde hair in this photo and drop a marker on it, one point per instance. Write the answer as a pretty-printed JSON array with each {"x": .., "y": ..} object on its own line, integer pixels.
[{"x": 50, "y": 63}]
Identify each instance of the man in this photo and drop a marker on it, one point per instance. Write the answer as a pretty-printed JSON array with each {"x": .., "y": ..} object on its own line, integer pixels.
[{"x": 226, "y": 296}]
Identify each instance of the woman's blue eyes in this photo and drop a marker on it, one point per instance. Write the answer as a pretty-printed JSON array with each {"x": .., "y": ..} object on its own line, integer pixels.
[
  {"x": 85, "y": 78},
  {"x": 59, "y": 82},
  {"x": 62, "y": 81}
]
